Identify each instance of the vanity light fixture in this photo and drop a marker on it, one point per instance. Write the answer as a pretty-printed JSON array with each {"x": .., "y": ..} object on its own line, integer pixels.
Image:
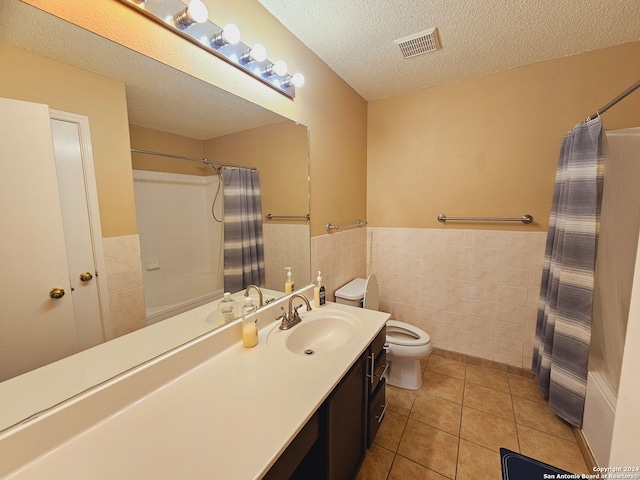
[
  {"x": 191, "y": 23},
  {"x": 195, "y": 12}
]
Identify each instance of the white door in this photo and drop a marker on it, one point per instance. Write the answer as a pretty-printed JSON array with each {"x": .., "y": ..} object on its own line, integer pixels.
[
  {"x": 77, "y": 228},
  {"x": 35, "y": 327}
]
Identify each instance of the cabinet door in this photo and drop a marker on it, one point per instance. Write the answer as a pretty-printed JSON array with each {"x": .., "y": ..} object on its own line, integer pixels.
[{"x": 346, "y": 424}]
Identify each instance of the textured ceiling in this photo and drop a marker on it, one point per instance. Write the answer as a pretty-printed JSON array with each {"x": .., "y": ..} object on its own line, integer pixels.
[
  {"x": 356, "y": 37},
  {"x": 178, "y": 104}
]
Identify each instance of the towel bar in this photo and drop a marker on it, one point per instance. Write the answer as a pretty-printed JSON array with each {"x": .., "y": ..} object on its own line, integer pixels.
[
  {"x": 359, "y": 223},
  {"x": 523, "y": 219},
  {"x": 295, "y": 217}
]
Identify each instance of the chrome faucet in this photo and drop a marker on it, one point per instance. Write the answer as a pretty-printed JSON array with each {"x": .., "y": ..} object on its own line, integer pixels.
[
  {"x": 291, "y": 318},
  {"x": 246, "y": 294}
]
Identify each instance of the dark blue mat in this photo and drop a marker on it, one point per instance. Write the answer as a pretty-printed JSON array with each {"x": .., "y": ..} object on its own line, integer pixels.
[{"x": 520, "y": 467}]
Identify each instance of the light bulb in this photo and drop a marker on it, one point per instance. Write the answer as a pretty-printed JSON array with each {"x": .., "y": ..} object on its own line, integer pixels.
[
  {"x": 297, "y": 80},
  {"x": 258, "y": 53},
  {"x": 198, "y": 11},
  {"x": 280, "y": 68},
  {"x": 231, "y": 34}
]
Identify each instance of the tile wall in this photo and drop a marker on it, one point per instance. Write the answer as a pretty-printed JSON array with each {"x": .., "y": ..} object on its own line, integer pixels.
[
  {"x": 474, "y": 291},
  {"x": 286, "y": 245},
  {"x": 124, "y": 278}
]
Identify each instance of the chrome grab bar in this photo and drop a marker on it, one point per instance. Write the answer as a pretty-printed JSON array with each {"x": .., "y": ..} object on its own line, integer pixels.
[
  {"x": 294, "y": 217},
  {"x": 359, "y": 223},
  {"x": 523, "y": 219}
]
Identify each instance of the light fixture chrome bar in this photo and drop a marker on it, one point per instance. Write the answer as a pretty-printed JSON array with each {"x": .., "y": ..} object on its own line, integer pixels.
[
  {"x": 523, "y": 219},
  {"x": 292, "y": 217},
  {"x": 359, "y": 223},
  {"x": 171, "y": 14}
]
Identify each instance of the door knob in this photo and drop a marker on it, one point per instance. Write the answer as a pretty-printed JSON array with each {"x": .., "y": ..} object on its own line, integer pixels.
[
  {"x": 86, "y": 276},
  {"x": 56, "y": 293}
]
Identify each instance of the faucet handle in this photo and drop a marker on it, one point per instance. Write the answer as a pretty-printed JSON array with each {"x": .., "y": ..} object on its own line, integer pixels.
[{"x": 283, "y": 315}]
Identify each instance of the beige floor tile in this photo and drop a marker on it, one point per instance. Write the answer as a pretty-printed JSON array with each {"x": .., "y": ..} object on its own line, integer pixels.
[
  {"x": 540, "y": 417},
  {"x": 377, "y": 464},
  {"x": 488, "y": 400},
  {"x": 447, "y": 366},
  {"x": 552, "y": 450},
  {"x": 430, "y": 447},
  {"x": 488, "y": 430},
  {"x": 525, "y": 388},
  {"x": 391, "y": 430},
  {"x": 488, "y": 377},
  {"x": 405, "y": 469},
  {"x": 437, "y": 412},
  {"x": 476, "y": 462},
  {"x": 442, "y": 386},
  {"x": 400, "y": 400}
]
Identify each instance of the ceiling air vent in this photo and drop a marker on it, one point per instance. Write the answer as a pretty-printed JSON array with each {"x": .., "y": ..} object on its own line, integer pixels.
[{"x": 419, "y": 43}]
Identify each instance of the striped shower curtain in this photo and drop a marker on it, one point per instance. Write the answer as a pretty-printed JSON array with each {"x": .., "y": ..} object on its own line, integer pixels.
[
  {"x": 563, "y": 329},
  {"x": 243, "y": 242}
]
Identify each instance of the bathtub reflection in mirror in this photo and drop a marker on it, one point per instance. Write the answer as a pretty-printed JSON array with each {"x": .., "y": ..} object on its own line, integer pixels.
[{"x": 175, "y": 113}]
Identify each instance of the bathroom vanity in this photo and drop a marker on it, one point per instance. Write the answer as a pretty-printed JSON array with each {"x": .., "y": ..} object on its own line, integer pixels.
[{"x": 213, "y": 409}]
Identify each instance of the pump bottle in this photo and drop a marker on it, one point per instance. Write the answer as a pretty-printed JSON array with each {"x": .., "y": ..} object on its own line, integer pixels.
[
  {"x": 249, "y": 324},
  {"x": 319, "y": 296},
  {"x": 289, "y": 286}
]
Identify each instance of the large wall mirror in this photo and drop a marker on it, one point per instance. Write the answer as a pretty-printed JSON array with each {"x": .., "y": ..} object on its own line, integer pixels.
[{"x": 168, "y": 112}]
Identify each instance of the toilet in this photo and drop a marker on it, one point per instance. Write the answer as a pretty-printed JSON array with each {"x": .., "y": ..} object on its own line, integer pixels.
[{"x": 407, "y": 344}]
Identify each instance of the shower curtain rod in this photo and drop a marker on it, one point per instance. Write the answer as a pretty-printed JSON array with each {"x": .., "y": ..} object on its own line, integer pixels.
[
  {"x": 629, "y": 90},
  {"x": 191, "y": 159}
]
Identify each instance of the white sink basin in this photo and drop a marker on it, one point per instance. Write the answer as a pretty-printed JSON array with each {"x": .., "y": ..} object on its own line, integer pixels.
[{"x": 319, "y": 333}]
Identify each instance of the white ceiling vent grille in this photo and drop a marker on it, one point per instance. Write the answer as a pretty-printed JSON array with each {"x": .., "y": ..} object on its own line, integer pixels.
[{"x": 419, "y": 43}]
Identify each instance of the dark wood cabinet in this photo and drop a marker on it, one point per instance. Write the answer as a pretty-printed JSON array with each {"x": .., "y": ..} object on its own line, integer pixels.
[
  {"x": 346, "y": 424},
  {"x": 332, "y": 445}
]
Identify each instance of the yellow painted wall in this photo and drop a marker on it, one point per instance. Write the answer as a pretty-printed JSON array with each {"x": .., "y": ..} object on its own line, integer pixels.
[
  {"x": 335, "y": 115},
  {"x": 156, "y": 141},
  {"x": 489, "y": 146},
  {"x": 280, "y": 153},
  {"x": 38, "y": 79}
]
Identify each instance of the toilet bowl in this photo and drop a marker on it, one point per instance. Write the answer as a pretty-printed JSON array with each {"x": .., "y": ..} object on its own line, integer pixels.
[{"x": 408, "y": 344}]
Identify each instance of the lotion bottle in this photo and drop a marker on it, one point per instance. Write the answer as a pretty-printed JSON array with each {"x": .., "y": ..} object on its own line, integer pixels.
[
  {"x": 227, "y": 309},
  {"x": 289, "y": 286},
  {"x": 249, "y": 324},
  {"x": 319, "y": 296}
]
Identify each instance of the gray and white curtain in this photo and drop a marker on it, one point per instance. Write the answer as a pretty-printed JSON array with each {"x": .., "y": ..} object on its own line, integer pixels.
[
  {"x": 243, "y": 241},
  {"x": 563, "y": 329}
]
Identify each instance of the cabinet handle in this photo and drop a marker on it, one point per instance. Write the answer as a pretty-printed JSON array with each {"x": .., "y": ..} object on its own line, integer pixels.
[
  {"x": 384, "y": 370},
  {"x": 372, "y": 366},
  {"x": 384, "y": 410}
]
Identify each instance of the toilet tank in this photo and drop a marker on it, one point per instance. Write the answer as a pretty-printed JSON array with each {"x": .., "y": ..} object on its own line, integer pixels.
[{"x": 352, "y": 293}]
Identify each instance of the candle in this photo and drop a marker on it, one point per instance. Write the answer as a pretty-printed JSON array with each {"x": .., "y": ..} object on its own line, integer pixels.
[{"x": 249, "y": 334}]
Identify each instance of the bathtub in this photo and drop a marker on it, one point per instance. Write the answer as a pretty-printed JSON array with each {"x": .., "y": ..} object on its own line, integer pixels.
[
  {"x": 599, "y": 416},
  {"x": 171, "y": 296}
]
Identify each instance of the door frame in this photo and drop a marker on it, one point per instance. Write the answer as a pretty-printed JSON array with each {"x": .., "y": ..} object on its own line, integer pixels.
[{"x": 88, "y": 172}]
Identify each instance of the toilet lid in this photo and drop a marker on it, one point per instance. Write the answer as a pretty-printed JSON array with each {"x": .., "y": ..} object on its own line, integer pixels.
[
  {"x": 402, "y": 333},
  {"x": 371, "y": 299}
]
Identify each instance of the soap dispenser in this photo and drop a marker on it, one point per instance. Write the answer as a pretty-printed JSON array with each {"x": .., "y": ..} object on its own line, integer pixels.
[
  {"x": 227, "y": 309},
  {"x": 289, "y": 286},
  {"x": 249, "y": 323},
  {"x": 319, "y": 296}
]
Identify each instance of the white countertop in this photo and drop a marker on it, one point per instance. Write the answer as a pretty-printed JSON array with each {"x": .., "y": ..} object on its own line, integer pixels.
[{"x": 230, "y": 417}]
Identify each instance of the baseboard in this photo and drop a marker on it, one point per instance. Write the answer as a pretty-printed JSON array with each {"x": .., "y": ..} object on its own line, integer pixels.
[{"x": 589, "y": 459}]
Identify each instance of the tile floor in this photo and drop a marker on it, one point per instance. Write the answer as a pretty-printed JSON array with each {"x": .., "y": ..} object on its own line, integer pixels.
[{"x": 454, "y": 426}]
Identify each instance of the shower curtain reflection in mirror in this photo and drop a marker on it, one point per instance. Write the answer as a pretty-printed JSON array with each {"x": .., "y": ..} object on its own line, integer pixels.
[{"x": 243, "y": 239}]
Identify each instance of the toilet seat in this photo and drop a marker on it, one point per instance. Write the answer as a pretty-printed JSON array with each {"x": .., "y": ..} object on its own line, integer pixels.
[{"x": 401, "y": 333}]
